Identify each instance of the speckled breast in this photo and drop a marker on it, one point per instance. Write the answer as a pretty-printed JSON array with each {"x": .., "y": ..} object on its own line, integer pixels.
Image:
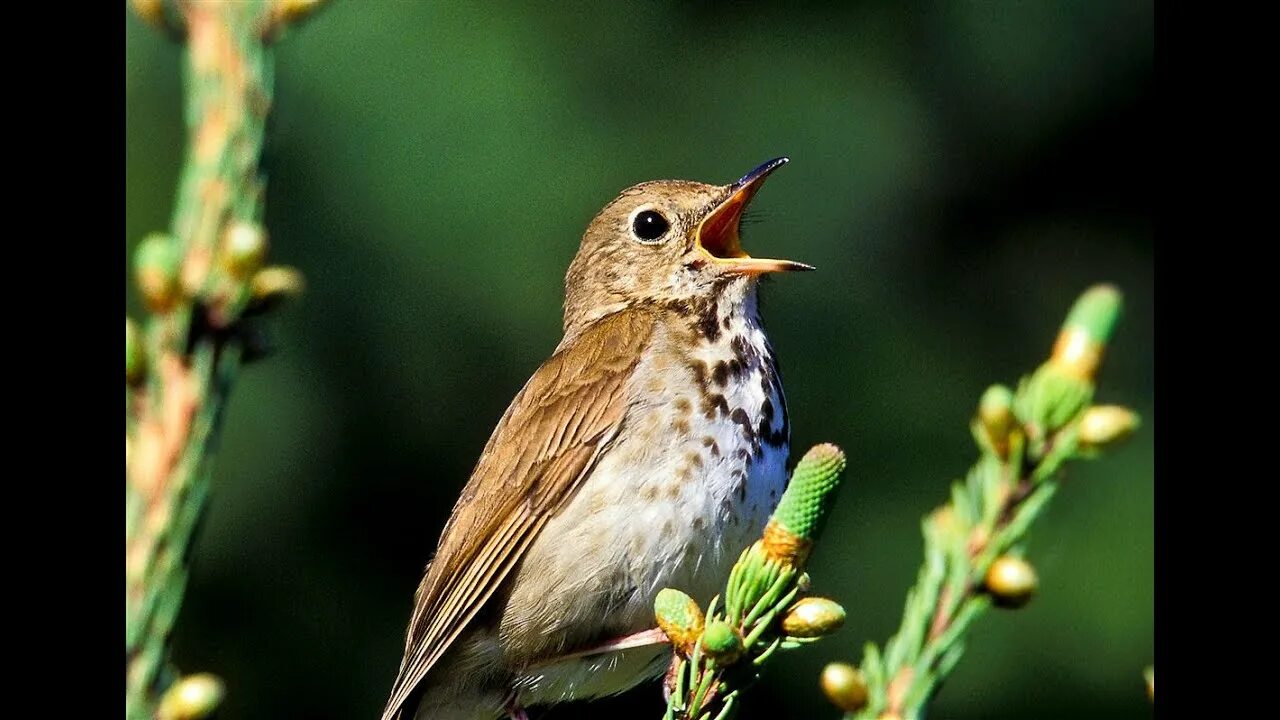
[{"x": 688, "y": 483}]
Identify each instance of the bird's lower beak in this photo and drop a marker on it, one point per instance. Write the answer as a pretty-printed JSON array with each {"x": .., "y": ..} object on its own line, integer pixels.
[{"x": 718, "y": 237}]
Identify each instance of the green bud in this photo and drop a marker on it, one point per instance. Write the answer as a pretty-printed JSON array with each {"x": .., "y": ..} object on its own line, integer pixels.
[
  {"x": 135, "y": 356},
  {"x": 191, "y": 698},
  {"x": 995, "y": 411},
  {"x": 813, "y": 617},
  {"x": 721, "y": 642},
  {"x": 1062, "y": 387},
  {"x": 244, "y": 248},
  {"x": 1086, "y": 331},
  {"x": 156, "y": 263},
  {"x": 679, "y": 617},
  {"x": 1011, "y": 581},
  {"x": 1104, "y": 425},
  {"x": 844, "y": 686},
  {"x": 996, "y": 418},
  {"x": 803, "y": 509},
  {"x": 1095, "y": 313},
  {"x": 1150, "y": 676}
]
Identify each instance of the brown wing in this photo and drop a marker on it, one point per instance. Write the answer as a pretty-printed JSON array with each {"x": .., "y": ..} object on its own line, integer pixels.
[{"x": 545, "y": 444}]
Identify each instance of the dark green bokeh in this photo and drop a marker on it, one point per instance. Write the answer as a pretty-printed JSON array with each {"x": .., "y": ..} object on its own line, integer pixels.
[{"x": 959, "y": 175}]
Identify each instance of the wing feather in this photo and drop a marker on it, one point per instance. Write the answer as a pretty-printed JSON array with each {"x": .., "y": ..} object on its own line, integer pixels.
[{"x": 551, "y": 435}]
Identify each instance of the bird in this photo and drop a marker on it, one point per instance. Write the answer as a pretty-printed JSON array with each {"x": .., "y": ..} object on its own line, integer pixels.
[{"x": 646, "y": 452}]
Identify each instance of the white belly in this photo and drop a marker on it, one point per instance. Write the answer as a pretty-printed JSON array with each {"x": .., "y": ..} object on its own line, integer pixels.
[{"x": 677, "y": 497}]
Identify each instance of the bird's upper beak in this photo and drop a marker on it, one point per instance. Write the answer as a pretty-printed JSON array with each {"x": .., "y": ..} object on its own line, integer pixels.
[{"x": 718, "y": 238}]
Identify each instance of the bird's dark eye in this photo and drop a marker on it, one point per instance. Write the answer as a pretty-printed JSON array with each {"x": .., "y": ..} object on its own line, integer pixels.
[{"x": 649, "y": 226}]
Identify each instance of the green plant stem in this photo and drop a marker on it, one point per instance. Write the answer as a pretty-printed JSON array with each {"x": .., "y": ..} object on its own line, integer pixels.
[
  {"x": 193, "y": 346},
  {"x": 1025, "y": 439}
]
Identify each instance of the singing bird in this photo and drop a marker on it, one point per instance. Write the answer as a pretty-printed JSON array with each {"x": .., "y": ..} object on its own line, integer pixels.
[{"x": 647, "y": 452}]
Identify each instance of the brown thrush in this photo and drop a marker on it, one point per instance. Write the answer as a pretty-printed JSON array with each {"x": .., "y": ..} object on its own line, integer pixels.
[{"x": 646, "y": 453}]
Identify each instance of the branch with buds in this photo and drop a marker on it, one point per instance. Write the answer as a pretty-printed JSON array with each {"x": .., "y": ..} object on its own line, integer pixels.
[
  {"x": 204, "y": 284},
  {"x": 764, "y": 608},
  {"x": 974, "y": 544}
]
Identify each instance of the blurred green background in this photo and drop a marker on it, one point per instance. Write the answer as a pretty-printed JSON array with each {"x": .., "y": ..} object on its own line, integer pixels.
[{"x": 959, "y": 174}]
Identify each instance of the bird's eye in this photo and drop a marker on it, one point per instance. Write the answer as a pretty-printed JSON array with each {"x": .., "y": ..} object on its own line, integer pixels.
[{"x": 650, "y": 226}]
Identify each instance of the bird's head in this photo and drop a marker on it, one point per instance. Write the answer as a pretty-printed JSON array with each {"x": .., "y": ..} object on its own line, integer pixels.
[{"x": 667, "y": 241}]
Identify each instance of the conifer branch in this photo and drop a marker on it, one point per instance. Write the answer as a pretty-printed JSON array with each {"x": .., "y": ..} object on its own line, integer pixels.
[
  {"x": 974, "y": 544},
  {"x": 203, "y": 283},
  {"x": 764, "y": 607}
]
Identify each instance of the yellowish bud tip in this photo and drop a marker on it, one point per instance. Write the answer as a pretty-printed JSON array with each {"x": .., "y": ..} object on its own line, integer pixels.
[
  {"x": 191, "y": 698},
  {"x": 1150, "y": 676},
  {"x": 272, "y": 285},
  {"x": 1104, "y": 425},
  {"x": 244, "y": 248},
  {"x": 294, "y": 10},
  {"x": 813, "y": 617},
  {"x": 151, "y": 11},
  {"x": 1011, "y": 581},
  {"x": 843, "y": 685},
  {"x": 1076, "y": 354}
]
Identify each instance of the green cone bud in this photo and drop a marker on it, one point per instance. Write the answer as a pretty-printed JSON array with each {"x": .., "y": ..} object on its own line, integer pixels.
[
  {"x": 191, "y": 698},
  {"x": 244, "y": 248},
  {"x": 135, "y": 355},
  {"x": 803, "y": 509},
  {"x": 995, "y": 411},
  {"x": 1086, "y": 331},
  {"x": 679, "y": 617},
  {"x": 1063, "y": 386},
  {"x": 1095, "y": 313},
  {"x": 721, "y": 643},
  {"x": 996, "y": 418},
  {"x": 844, "y": 686},
  {"x": 156, "y": 263},
  {"x": 1011, "y": 581},
  {"x": 813, "y": 617},
  {"x": 1104, "y": 425}
]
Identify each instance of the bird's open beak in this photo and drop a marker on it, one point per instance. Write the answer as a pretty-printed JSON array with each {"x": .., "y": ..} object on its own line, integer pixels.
[{"x": 718, "y": 237}]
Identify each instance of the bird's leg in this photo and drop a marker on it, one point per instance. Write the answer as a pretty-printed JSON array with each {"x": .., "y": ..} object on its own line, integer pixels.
[
  {"x": 644, "y": 638},
  {"x": 514, "y": 711},
  {"x": 652, "y": 636}
]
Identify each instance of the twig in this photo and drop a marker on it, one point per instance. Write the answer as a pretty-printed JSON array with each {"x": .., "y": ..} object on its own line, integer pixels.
[
  {"x": 973, "y": 545},
  {"x": 200, "y": 284}
]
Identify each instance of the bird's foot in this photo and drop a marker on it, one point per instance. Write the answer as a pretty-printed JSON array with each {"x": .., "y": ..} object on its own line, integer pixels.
[{"x": 515, "y": 712}]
